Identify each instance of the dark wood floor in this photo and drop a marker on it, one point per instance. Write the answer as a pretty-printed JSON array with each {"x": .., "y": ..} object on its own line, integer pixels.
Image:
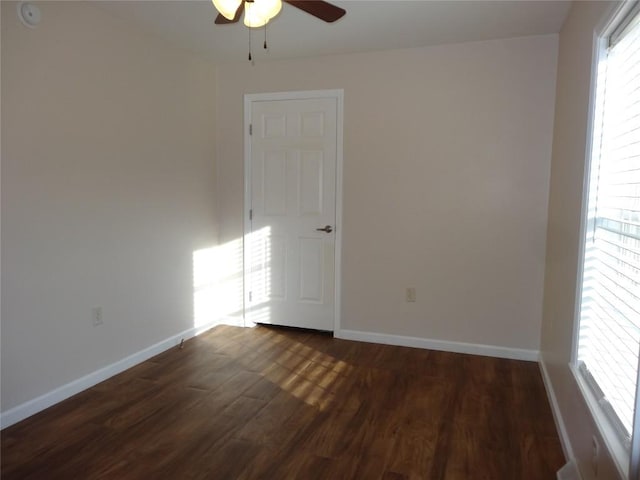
[{"x": 275, "y": 404}]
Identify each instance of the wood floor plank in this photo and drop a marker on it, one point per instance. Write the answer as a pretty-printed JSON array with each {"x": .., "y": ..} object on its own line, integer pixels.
[
  {"x": 273, "y": 403},
  {"x": 266, "y": 425}
]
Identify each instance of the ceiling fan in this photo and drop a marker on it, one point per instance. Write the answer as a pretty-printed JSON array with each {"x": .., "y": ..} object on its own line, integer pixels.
[{"x": 257, "y": 13}]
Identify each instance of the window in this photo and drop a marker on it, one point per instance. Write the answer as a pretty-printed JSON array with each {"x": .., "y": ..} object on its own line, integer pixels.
[{"x": 609, "y": 324}]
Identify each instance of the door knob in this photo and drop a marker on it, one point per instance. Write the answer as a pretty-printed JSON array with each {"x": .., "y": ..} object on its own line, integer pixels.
[{"x": 327, "y": 229}]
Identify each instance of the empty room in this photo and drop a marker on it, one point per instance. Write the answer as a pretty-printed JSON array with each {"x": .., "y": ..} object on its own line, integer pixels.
[{"x": 265, "y": 239}]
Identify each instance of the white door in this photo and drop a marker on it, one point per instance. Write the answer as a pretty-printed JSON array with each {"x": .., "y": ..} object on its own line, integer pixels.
[{"x": 291, "y": 190}]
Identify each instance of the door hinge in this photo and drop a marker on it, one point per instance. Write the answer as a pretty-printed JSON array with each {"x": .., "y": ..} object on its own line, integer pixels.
[
  {"x": 251, "y": 129},
  {"x": 251, "y": 214},
  {"x": 250, "y": 296}
]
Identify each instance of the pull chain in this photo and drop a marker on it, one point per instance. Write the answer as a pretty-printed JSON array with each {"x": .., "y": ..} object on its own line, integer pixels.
[
  {"x": 265, "y": 36},
  {"x": 250, "y": 58}
]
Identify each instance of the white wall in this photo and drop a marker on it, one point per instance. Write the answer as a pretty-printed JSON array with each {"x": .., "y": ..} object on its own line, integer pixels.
[
  {"x": 107, "y": 190},
  {"x": 446, "y": 166},
  {"x": 563, "y": 238}
]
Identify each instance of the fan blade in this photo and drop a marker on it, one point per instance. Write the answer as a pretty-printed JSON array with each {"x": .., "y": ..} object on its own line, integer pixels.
[
  {"x": 323, "y": 10},
  {"x": 222, "y": 20}
]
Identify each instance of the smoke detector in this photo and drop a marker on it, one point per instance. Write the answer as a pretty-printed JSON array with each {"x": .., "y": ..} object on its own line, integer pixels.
[{"x": 29, "y": 14}]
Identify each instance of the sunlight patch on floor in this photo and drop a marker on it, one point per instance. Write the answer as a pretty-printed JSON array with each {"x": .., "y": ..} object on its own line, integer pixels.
[{"x": 309, "y": 375}]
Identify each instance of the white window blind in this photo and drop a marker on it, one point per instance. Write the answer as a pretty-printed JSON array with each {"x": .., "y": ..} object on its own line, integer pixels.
[{"x": 609, "y": 333}]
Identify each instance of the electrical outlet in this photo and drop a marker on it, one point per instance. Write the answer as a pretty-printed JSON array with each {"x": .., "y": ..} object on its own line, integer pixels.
[
  {"x": 595, "y": 455},
  {"x": 96, "y": 316},
  {"x": 410, "y": 294}
]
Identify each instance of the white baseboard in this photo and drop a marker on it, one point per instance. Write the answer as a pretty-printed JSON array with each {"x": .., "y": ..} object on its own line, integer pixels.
[
  {"x": 456, "y": 347},
  {"x": 31, "y": 407},
  {"x": 555, "y": 409}
]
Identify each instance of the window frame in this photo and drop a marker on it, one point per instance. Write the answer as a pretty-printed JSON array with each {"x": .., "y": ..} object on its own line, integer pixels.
[{"x": 626, "y": 457}]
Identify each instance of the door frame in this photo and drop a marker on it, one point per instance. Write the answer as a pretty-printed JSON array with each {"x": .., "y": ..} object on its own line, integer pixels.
[{"x": 249, "y": 98}]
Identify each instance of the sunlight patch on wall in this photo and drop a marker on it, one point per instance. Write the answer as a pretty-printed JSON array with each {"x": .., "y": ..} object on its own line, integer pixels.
[
  {"x": 218, "y": 293},
  {"x": 259, "y": 280},
  {"x": 217, "y": 284}
]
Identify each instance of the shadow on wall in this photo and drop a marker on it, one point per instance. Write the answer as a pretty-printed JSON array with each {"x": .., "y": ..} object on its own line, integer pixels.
[{"x": 218, "y": 293}]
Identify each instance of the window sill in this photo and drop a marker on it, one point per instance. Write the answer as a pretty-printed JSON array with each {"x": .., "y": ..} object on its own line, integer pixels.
[{"x": 613, "y": 444}]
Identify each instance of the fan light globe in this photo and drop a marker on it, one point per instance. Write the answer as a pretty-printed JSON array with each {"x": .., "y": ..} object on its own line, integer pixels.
[
  {"x": 227, "y": 8},
  {"x": 253, "y": 17},
  {"x": 268, "y": 8}
]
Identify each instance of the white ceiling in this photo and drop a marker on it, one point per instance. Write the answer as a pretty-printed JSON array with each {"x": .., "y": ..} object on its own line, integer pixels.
[{"x": 368, "y": 25}]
